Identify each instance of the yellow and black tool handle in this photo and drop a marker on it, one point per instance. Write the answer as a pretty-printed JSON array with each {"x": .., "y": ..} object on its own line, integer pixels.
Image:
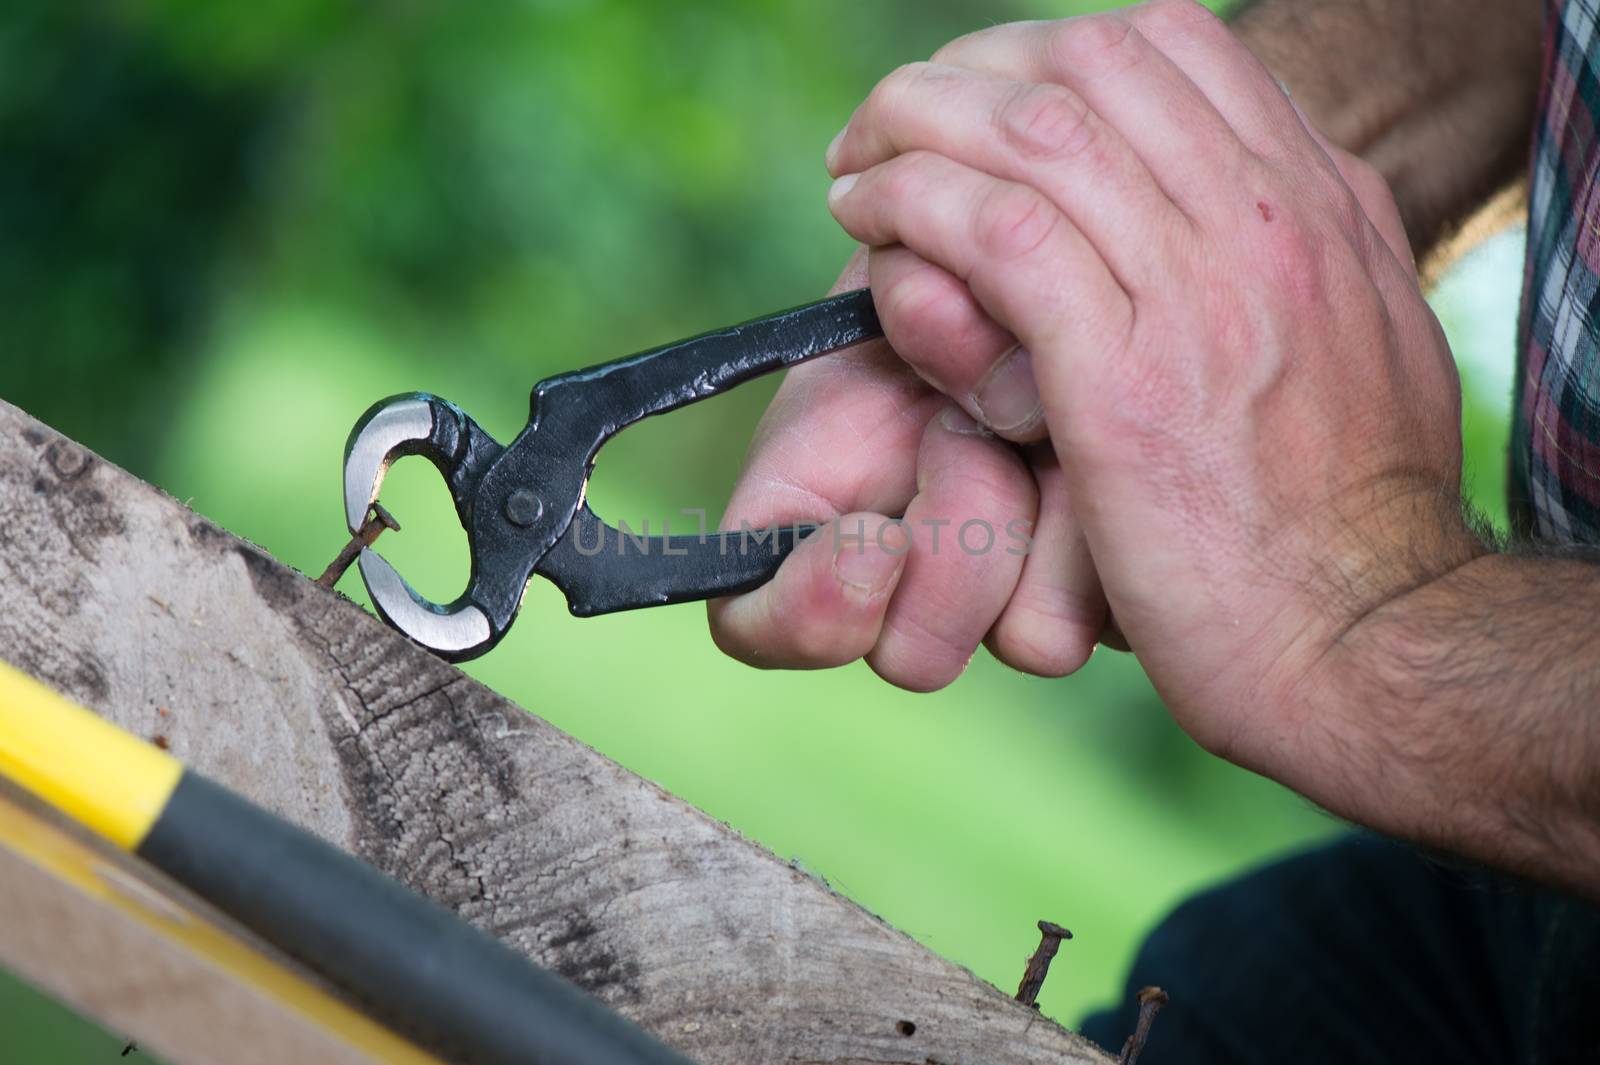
[{"x": 411, "y": 964}]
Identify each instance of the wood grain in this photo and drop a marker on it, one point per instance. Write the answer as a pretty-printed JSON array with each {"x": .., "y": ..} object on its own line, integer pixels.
[{"x": 124, "y": 599}]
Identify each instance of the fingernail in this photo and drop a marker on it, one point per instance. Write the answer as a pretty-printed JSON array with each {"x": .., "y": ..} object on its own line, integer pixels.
[
  {"x": 841, "y": 188},
  {"x": 869, "y": 565},
  {"x": 831, "y": 158},
  {"x": 959, "y": 421},
  {"x": 1007, "y": 399}
]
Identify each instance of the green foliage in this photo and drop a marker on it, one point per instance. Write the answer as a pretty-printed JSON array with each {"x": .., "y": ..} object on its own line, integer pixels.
[
  {"x": 225, "y": 230},
  {"x": 35, "y": 1030}
]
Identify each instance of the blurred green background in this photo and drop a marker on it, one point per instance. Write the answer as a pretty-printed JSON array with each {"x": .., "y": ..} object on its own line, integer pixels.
[{"x": 226, "y": 229}]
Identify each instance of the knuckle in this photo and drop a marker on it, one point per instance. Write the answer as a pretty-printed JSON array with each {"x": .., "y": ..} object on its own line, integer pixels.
[
  {"x": 1046, "y": 121},
  {"x": 916, "y": 654},
  {"x": 992, "y": 42},
  {"x": 985, "y": 472},
  {"x": 1348, "y": 211},
  {"x": 1367, "y": 182},
  {"x": 900, "y": 179},
  {"x": 1165, "y": 17},
  {"x": 1037, "y": 637},
  {"x": 814, "y": 643},
  {"x": 916, "y": 313},
  {"x": 909, "y": 298},
  {"x": 730, "y": 637},
  {"x": 992, "y": 480},
  {"x": 896, "y": 85},
  {"x": 728, "y": 644},
  {"x": 961, "y": 46},
  {"x": 908, "y": 74},
  {"x": 1357, "y": 170},
  {"x": 1292, "y": 254},
  {"x": 1013, "y": 222},
  {"x": 1090, "y": 44}
]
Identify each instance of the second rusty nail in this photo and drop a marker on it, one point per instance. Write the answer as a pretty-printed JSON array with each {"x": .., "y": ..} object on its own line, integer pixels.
[{"x": 1151, "y": 999}]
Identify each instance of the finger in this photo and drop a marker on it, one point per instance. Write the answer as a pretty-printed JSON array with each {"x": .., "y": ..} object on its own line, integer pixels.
[
  {"x": 933, "y": 322},
  {"x": 853, "y": 276},
  {"x": 1024, "y": 261},
  {"x": 1056, "y": 615},
  {"x": 832, "y": 444},
  {"x": 1198, "y": 48},
  {"x": 1236, "y": 83},
  {"x": 841, "y": 436},
  {"x": 1266, "y": 120},
  {"x": 1037, "y": 133},
  {"x": 1174, "y": 128},
  {"x": 825, "y": 607},
  {"x": 957, "y": 577}
]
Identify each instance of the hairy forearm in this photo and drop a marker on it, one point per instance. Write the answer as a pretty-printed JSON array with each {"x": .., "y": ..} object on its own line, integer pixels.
[
  {"x": 1437, "y": 94},
  {"x": 1465, "y": 715}
]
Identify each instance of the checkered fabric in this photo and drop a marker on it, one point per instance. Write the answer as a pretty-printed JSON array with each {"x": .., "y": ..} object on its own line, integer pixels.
[{"x": 1555, "y": 442}]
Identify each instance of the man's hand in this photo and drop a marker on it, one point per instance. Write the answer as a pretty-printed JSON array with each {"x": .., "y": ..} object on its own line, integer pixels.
[
  {"x": 1254, "y": 409},
  {"x": 1254, "y": 413},
  {"x": 1252, "y": 449},
  {"x": 858, "y": 436},
  {"x": 845, "y": 434}
]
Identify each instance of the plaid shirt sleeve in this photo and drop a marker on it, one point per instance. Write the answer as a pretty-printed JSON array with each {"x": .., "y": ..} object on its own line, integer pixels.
[{"x": 1555, "y": 442}]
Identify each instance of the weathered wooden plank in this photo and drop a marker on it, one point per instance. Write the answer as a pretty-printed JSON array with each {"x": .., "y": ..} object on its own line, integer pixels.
[
  {"x": 100, "y": 931},
  {"x": 124, "y": 599}
]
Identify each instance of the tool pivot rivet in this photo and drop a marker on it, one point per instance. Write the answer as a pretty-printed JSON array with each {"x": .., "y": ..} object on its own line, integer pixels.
[{"x": 523, "y": 507}]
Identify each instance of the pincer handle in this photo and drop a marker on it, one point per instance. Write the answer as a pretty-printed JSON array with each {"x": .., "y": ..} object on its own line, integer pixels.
[
  {"x": 602, "y": 569},
  {"x": 606, "y": 398},
  {"x": 522, "y": 505},
  {"x": 572, "y": 416}
]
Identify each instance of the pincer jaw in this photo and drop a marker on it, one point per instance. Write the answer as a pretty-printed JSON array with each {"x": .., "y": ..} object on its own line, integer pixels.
[
  {"x": 412, "y": 424},
  {"x": 399, "y": 425},
  {"x": 457, "y": 631}
]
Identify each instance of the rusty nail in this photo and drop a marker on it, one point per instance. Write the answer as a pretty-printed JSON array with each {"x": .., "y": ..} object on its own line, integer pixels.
[
  {"x": 378, "y": 520},
  {"x": 1051, "y": 935},
  {"x": 1151, "y": 999}
]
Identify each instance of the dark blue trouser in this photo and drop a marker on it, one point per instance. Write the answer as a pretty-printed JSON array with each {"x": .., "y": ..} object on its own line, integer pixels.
[{"x": 1366, "y": 951}]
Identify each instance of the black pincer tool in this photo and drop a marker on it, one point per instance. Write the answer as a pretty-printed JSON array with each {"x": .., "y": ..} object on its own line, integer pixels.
[{"x": 522, "y": 505}]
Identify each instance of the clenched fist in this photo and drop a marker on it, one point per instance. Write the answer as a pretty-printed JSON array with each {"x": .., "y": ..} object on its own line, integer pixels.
[{"x": 1134, "y": 300}]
